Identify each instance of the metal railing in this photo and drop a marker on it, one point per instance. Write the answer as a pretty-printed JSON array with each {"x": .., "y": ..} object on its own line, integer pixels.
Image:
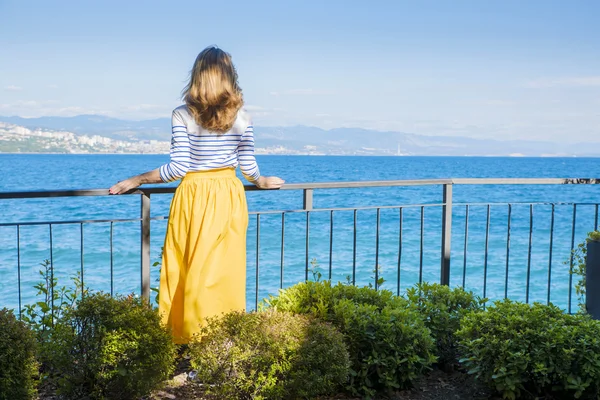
[{"x": 447, "y": 206}]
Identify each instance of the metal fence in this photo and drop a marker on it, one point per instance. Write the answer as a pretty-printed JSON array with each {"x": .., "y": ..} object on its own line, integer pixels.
[{"x": 448, "y": 228}]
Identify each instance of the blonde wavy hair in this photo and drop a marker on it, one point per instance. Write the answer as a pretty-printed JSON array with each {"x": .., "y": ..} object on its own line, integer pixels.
[{"x": 213, "y": 95}]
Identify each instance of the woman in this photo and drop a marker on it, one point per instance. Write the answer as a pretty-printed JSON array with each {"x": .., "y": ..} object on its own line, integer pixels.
[{"x": 204, "y": 259}]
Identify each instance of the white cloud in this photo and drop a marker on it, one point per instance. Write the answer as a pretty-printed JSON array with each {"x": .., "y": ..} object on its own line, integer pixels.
[
  {"x": 250, "y": 107},
  {"x": 498, "y": 103},
  {"x": 583, "y": 81},
  {"x": 29, "y": 104},
  {"x": 308, "y": 92},
  {"x": 72, "y": 111},
  {"x": 145, "y": 107},
  {"x": 35, "y": 108},
  {"x": 13, "y": 88},
  {"x": 41, "y": 108},
  {"x": 303, "y": 92}
]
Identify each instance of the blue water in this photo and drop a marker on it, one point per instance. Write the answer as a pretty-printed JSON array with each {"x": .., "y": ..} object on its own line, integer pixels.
[{"x": 59, "y": 172}]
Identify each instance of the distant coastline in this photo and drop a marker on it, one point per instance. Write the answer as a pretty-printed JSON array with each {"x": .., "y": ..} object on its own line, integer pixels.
[
  {"x": 315, "y": 155},
  {"x": 89, "y": 134}
]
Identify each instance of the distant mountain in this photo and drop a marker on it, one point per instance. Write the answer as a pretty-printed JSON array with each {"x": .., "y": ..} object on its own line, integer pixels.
[
  {"x": 312, "y": 140},
  {"x": 364, "y": 141},
  {"x": 114, "y": 128}
]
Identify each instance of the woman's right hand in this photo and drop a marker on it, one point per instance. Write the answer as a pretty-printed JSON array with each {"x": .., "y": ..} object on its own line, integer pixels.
[
  {"x": 269, "y": 182},
  {"x": 125, "y": 186}
]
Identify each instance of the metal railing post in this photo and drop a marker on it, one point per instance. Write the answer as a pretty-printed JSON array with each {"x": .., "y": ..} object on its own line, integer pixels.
[
  {"x": 446, "y": 234},
  {"x": 145, "y": 242},
  {"x": 308, "y": 200},
  {"x": 592, "y": 278},
  {"x": 307, "y": 205}
]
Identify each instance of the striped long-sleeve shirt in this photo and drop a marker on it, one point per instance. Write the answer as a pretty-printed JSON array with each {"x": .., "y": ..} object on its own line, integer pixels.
[{"x": 193, "y": 148}]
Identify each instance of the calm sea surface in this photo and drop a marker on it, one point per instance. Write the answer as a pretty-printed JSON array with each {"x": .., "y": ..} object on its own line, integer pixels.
[{"x": 59, "y": 172}]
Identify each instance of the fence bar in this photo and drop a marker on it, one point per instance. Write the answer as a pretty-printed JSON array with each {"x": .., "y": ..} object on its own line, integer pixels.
[
  {"x": 145, "y": 244},
  {"x": 81, "y": 256},
  {"x": 464, "y": 275},
  {"x": 257, "y": 261},
  {"x": 112, "y": 276},
  {"x": 529, "y": 253},
  {"x": 289, "y": 211},
  {"x": 571, "y": 262},
  {"x": 421, "y": 245},
  {"x": 19, "y": 267},
  {"x": 399, "y": 251},
  {"x": 378, "y": 225},
  {"x": 51, "y": 277},
  {"x": 330, "y": 244},
  {"x": 507, "y": 251},
  {"x": 550, "y": 253},
  {"x": 446, "y": 235},
  {"x": 487, "y": 246},
  {"x": 354, "y": 250},
  {"x": 307, "y": 245},
  {"x": 282, "y": 250},
  {"x": 596, "y": 219}
]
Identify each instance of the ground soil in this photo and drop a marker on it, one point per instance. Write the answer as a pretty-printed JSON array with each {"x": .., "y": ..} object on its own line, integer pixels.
[{"x": 437, "y": 385}]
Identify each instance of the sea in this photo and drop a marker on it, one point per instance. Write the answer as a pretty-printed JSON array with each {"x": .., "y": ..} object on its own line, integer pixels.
[{"x": 531, "y": 261}]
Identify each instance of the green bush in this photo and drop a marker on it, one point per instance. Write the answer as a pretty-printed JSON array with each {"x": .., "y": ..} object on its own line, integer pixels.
[
  {"x": 269, "y": 355},
  {"x": 577, "y": 263},
  {"x": 109, "y": 348},
  {"x": 526, "y": 351},
  {"x": 389, "y": 347},
  {"x": 443, "y": 308},
  {"x": 18, "y": 367},
  {"x": 388, "y": 342},
  {"x": 319, "y": 298}
]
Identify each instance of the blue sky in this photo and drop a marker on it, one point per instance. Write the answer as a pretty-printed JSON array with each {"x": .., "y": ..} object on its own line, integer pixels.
[{"x": 487, "y": 68}]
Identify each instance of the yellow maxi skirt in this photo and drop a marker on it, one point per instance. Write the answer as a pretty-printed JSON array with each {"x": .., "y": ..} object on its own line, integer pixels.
[{"x": 204, "y": 258}]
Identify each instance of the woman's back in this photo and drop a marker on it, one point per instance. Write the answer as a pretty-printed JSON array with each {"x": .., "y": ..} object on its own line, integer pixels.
[{"x": 194, "y": 148}]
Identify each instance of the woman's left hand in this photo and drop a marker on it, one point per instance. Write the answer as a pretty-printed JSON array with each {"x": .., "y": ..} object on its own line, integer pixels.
[{"x": 125, "y": 186}]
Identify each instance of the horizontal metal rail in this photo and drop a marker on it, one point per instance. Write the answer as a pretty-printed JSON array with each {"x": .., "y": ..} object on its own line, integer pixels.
[
  {"x": 301, "y": 210},
  {"x": 322, "y": 185}
]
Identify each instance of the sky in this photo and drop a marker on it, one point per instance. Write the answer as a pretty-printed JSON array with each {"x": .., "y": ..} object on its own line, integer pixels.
[{"x": 502, "y": 69}]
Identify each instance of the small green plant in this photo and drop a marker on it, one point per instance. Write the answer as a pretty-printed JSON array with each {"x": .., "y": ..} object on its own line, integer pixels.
[
  {"x": 315, "y": 270},
  {"x": 530, "y": 351},
  {"x": 55, "y": 302},
  {"x": 443, "y": 309},
  {"x": 578, "y": 263},
  {"x": 269, "y": 355},
  {"x": 388, "y": 343},
  {"x": 18, "y": 367},
  {"x": 377, "y": 278},
  {"x": 158, "y": 266},
  {"x": 109, "y": 348}
]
